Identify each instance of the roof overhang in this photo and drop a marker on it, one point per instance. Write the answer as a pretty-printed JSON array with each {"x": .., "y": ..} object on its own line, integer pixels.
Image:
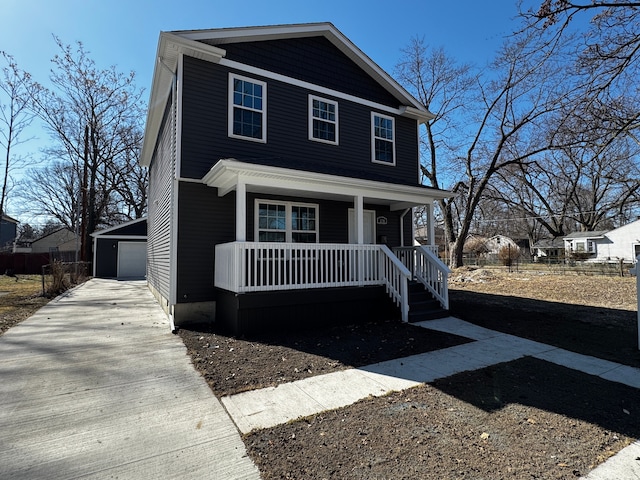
[
  {"x": 170, "y": 47},
  {"x": 586, "y": 236},
  {"x": 190, "y": 42},
  {"x": 108, "y": 230},
  {"x": 226, "y": 174}
]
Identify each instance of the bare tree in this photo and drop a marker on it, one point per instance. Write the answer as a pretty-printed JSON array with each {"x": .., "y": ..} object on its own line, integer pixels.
[
  {"x": 606, "y": 49},
  {"x": 16, "y": 88},
  {"x": 95, "y": 119},
  {"x": 443, "y": 86},
  {"x": 502, "y": 125}
]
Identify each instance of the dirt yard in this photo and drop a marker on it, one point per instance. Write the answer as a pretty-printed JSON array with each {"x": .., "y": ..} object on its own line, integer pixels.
[{"x": 525, "y": 419}]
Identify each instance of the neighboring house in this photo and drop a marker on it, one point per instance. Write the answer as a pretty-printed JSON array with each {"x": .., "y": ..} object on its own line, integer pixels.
[
  {"x": 282, "y": 162},
  {"x": 121, "y": 251},
  {"x": 619, "y": 244},
  {"x": 548, "y": 250},
  {"x": 62, "y": 244},
  {"x": 496, "y": 243},
  {"x": 8, "y": 232}
]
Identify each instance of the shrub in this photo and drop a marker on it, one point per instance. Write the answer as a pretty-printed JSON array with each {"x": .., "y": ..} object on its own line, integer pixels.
[{"x": 508, "y": 255}]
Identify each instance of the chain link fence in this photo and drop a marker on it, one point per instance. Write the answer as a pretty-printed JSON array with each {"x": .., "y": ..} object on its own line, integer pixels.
[{"x": 58, "y": 277}]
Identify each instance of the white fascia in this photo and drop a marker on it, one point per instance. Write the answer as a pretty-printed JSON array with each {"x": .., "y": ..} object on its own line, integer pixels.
[{"x": 226, "y": 174}]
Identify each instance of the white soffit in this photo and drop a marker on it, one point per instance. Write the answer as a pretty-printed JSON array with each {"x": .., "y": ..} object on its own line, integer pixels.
[{"x": 226, "y": 174}]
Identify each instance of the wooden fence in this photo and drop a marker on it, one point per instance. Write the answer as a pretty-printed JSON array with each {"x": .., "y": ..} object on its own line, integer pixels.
[{"x": 23, "y": 263}]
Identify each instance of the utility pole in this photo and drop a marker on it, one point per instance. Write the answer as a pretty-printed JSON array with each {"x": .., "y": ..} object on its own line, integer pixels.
[{"x": 83, "y": 217}]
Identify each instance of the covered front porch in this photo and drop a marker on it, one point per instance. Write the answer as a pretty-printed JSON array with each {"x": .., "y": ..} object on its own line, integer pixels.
[{"x": 321, "y": 272}]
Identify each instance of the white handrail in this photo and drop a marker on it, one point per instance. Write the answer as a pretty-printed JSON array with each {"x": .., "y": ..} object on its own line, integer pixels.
[
  {"x": 242, "y": 267},
  {"x": 433, "y": 274},
  {"x": 396, "y": 279}
]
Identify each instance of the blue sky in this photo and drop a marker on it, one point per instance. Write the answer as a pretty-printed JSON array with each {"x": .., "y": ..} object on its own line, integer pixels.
[{"x": 125, "y": 32}]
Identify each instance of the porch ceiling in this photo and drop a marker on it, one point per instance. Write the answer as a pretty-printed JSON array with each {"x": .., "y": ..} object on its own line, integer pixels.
[{"x": 226, "y": 174}]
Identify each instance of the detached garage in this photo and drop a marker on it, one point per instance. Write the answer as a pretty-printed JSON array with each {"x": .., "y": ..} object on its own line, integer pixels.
[{"x": 121, "y": 251}]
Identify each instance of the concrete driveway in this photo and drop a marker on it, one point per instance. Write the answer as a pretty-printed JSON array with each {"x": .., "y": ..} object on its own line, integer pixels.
[{"x": 95, "y": 386}]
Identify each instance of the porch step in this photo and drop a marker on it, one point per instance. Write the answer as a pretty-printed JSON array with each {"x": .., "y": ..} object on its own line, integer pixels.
[{"x": 422, "y": 305}]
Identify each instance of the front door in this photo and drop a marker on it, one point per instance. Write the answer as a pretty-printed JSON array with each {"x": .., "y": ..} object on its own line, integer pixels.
[{"x": 369, "y": 226}]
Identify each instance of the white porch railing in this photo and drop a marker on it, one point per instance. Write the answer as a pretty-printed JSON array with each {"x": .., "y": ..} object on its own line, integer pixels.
[
  {"x": 242, "y": 267},
  {"x": 425, "y": 266}
]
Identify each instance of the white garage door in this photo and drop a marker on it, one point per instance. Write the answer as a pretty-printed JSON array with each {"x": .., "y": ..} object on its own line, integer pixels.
[{"x": 132, "y": 259}]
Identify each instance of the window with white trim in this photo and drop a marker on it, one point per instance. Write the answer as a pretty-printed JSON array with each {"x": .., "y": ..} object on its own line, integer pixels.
[
  {"x": 323, "y": 120},
  {"x": 586, "y": 246},
  {"x": 247, "y": 108},
  {"x": 286, "y": 222},
  {"x": 382, "y": 139}
]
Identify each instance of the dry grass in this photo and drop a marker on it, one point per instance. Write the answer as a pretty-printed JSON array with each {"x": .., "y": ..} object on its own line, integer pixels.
[
  {"x": 595, "y": 291},
  {"x": 20, "y": 297}
]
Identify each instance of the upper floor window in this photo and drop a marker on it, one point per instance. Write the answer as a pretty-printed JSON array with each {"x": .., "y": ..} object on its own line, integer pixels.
[
  {"x": 323, "y": 120},
  {"x": 382, "y": 139},
  {"x": 247, "y": 108}
]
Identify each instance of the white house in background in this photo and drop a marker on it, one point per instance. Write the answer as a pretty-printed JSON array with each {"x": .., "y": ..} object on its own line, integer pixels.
[
  {"x": 621, "y": 243},
  {"x": 497, "y": 243},
  {"x": 548, "y": 250}
]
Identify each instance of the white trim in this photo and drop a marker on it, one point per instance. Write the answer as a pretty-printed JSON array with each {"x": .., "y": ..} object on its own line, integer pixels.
[
  {"x": 178, "y": 126},
  {"x": 288, "y": 215},
  {"x": 351, "y": 219},
  {"x": 313, "y": 97},
  {"x": 100, "y": 233},
  {"x": 95, "y": 254},
  {"x": 120, "y": 244},
  {"x": 248, "y": 69},
  {"x": 373, "y": 138},
  {"x": 122, "y": 237},
  {"x": 232, "y": 106},
  {"x": 224, "y": 175},
  {"x": 241, "y": 211}
]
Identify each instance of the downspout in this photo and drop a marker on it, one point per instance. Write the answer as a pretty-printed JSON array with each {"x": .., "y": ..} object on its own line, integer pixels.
[{"x": 402, "y": 226}]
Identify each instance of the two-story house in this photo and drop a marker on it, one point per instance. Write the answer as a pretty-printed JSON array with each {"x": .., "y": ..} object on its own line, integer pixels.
[{"x": 283, "y": 172}]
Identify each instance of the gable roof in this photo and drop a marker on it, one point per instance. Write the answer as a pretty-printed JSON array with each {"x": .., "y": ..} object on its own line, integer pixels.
[
  {"x": 53, "y": 232},
  {"x": 114, "y": 230},
  {"x": 586, "y": 235},
  {"x": 556, "y": 242},
  {"x": 9, "y": 219},
  {"x": 191, "y": 42}
]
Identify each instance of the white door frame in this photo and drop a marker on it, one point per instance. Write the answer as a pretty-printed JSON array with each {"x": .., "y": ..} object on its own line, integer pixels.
[{"x": 371, "y": 214}]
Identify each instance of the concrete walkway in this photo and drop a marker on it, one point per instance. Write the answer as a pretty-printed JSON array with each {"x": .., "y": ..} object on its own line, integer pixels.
[{"x": 94, "y": 385}]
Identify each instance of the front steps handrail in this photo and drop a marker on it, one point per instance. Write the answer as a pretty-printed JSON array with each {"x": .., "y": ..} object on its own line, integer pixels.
[{"x": 433, "y": 273}]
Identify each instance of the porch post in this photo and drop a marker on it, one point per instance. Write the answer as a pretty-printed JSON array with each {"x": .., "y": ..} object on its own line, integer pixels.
[
  {"x": 432, "y": 227},
  {"x": 241, "y": 211},
  {"x": 359, "y": 225},
  {"x": 359, "y": 219}
]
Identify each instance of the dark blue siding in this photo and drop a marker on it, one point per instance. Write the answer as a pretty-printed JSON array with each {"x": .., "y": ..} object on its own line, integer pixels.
[
  {"x": 205, "y": 139},
  {"x": 315, "y": 60},
  {"x": 205, "y": 220}
]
